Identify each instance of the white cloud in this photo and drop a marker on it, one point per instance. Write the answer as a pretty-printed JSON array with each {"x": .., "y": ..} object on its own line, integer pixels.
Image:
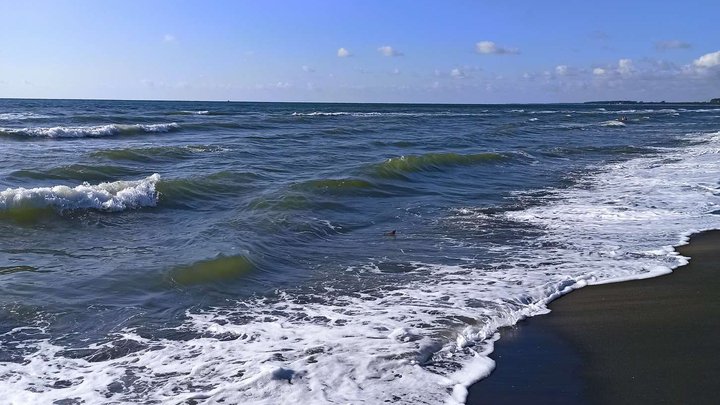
[
  {"x": 396, "y": 71},
  {"x": 168, "y": 38},
  {"x": 561, "y": 70},
  {"x": 672, "y": 44},
  {"x": 707, "y": 61},
  {"x": 389, "y": 51},
  {"x": 307, "y": 69},
  {"x": 625, "y": 66},
  {"x": 343, "y": 53},
  {"x": 457, "y": 74},
  {"x": 599, "y": 71},
  {"x": 490, "y": 48}
]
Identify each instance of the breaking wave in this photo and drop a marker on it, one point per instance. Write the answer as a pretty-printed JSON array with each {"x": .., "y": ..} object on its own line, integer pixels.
[
  {"x": 22, "y": 116},
  {"x": 189, "y": 112},
  {"x": 89, "y": 131},
  {"x": 384, "y": 114},
  {"x": 612, "y": 123},
  {"x": 115, "y": 196}
]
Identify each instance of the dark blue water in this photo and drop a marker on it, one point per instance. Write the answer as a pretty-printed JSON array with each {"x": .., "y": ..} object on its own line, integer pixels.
[{"x": 239, "y": 252}]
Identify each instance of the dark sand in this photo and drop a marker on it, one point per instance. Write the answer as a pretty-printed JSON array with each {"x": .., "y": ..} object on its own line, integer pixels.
[{"x": 638, "y": 342}]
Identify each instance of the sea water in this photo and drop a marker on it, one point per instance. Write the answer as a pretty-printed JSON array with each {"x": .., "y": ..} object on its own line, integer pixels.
[{"x": 205, "y": 252}]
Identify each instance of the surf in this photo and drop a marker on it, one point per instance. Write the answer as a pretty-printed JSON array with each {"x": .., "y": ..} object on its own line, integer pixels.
[
  {"x": 95, "y": 131},
  {"x": 108, "y": 197}
]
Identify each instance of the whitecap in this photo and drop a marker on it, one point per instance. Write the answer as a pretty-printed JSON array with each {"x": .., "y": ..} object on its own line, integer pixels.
[
  {"x": 114, "y": 196},
  {"x": 612, "y": 123},
  {"x": 89, "y": 131},
  {"x": 200, "y": 112},
  {"x": 386, "y": 114},
  {"x": 21, "y": 116}
]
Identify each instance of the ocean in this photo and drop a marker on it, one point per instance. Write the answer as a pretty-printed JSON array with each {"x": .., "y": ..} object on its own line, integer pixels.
[{"x": 227, "y": 252}]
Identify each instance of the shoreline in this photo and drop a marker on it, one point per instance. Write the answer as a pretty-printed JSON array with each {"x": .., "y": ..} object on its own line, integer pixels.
[{"x": 651, "y": 340}]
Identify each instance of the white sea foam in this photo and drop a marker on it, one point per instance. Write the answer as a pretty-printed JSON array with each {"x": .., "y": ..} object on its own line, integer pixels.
[
  {"x": 544, "y": 112},
  {"x": 21, "y": 116},
  {"x": 89, "y": 131},
  {"x": 646, "y": 111},
  {"x": 115, "y": 196},
  {"x": 612, "y": 123},
  {"x": 408, "y": 344},
  {"x": 643, "y": 111},
  {"x": 386, "y": 114},
  {"x": 701, "y": 110}
]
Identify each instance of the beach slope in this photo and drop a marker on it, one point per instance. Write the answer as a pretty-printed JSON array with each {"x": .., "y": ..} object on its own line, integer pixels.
[{"x": 639, "y": 342}]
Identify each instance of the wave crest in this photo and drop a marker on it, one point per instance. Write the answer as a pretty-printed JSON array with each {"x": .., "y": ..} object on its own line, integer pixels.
[
  {"x": 115, "y": 196},
  {"x": 156, "y": 153},
  {"x": 336, "y": 184},
  {"x": 222, "y": 268},
  {"x": 17, "y": 116},
  {"x": 89, "y": 131},
  {"x": 432, "y": 162},
  {"x": 387, "y": 114},
  {"x": 612, "y": 123}
]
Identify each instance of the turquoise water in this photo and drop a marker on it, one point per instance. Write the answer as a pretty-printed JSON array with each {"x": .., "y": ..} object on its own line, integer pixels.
[{"x": 239, "y": 252}]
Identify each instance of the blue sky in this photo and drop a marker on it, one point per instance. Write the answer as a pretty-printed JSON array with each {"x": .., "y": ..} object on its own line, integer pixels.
[{"x": 365, "y": 51}]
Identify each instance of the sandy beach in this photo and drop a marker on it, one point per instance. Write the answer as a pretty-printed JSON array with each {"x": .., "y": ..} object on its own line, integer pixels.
[{"x": 638, "y": 342}]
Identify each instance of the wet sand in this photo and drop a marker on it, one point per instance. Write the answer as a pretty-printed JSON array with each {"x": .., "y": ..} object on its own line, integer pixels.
[{"x": 638, "y": 342}]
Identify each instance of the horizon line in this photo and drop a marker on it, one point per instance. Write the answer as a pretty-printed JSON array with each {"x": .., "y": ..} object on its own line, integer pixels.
[{"x": 360, "y": 102}]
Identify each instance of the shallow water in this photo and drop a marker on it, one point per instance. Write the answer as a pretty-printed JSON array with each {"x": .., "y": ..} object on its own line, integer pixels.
[{"x": 237, "y": 252}]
